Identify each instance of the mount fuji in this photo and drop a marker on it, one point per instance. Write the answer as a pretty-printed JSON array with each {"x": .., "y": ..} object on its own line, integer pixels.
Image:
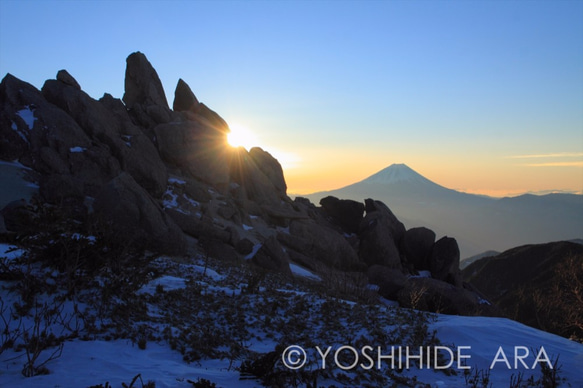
[{"x": 479, "y": 223}]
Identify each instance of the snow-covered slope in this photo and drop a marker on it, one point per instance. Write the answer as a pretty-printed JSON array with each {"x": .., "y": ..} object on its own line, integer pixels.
[
  {"x": 311, "y": 320},
  {"x": 86, "y": 363}
]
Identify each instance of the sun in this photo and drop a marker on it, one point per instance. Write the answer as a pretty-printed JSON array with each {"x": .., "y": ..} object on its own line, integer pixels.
[{"x": 240, "y": 136}]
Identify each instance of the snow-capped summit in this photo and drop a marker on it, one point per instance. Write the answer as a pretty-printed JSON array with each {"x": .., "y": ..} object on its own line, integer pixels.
[{"x": 397, "y": 173}]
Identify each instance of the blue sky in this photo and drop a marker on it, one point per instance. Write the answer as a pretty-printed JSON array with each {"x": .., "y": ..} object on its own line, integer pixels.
[{"x": 481, "y": 96}]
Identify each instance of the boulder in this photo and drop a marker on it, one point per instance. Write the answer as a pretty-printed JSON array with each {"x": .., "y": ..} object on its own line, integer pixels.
[
  {"x": 66, "y": 78},
  {"x": 389, "y": 280},
  {"x": 444, "y": 262},
  {"x": 380, "y": 233},
  {"x": 199, "y": 228},
  {"x": 321, "y": 244},
  {"x": 416, "y": 245},
  {"x": 272, "y": 256},
  {"x": 17, "y": 216},
  {"x": 184, "y": 98},
  {"x": 219, "y": 250},
  {"x": 270, "y": 167},
  {"x": 135, "y": 216},
  {"x": 244, "y": 246},
  {"x": 345, "y": 212}
]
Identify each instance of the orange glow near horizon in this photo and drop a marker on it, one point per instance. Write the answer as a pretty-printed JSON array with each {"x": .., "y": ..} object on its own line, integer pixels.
[{"x": 495, "y": 180}]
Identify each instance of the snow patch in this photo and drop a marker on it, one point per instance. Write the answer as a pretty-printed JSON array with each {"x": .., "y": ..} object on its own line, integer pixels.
[
  {"x": 256, "y": 249},
  {"x": 176, "y": 181},
  {"x": 27, "y": 114},
  {"x": 247, "y": 227},
  {"x": 167, "y": 282},
  {"x": 75, "y": 150},
  {"x": 10, "y": 252},
  {"x": 300, "y": 271},
  {"x": 22, "y": 136}
]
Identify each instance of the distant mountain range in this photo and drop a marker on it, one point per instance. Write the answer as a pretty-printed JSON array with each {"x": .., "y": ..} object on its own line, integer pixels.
[{"x": 479, "y": 223}]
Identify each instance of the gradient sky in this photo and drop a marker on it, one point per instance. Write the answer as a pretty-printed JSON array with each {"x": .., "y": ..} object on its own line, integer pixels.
[{"x": 478, "y": 96}]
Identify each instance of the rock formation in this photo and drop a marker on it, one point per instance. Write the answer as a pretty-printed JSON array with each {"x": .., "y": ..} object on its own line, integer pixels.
[{"x": 167, "y": 180}]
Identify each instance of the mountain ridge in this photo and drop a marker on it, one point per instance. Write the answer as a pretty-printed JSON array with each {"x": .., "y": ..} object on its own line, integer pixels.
[{"x": 480, "y": 223}]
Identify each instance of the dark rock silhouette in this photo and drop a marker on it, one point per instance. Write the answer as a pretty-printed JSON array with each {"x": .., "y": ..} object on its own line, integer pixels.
[
  {"x": 380, "y": 233},
  {"x": 144, "y": 95},
  {"x": 184, "y": 98},
  {"x": 539, "y": 285},
  {"x": 417, "y": 244},
  {"x": 347, "y": 213},
  {"x": 444, "y": 262},
  {"x": 167, "y": 181}
]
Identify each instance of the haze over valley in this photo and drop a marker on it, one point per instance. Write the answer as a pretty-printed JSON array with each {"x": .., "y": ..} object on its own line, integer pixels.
[{"x": 479, "y": 223}]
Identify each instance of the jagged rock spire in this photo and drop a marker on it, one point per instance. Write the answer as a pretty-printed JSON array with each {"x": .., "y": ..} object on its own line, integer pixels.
[
  {"x": 142, "y": 84},
  {"x": 184, "y": 98}
]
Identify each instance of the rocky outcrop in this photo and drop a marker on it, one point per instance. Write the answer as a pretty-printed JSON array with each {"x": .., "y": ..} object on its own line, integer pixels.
[
  {"x": 107, "y": 121},
  {"x": 144, "y": 94},
  {"x": 167, "y": 180},
  {"x": 345, "y": 212},
  {"x": 321, "y": 244},
  {"x": 380, "y": 233},
  {"x": 272, "y": 256},
  {"x": 389, "y": 280},
  {"x": 259, "y": 175},
  {"x": 136, "y": 217},
  {"x": 198, "y": 150},
  {"x": 184, "y": 98},
  {"x": 16, "y": 216}
]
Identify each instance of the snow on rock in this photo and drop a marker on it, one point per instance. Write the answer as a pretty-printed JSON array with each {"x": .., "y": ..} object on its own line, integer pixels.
[
  {"x": 167, "y": 282},
  {"x": 256, "y": 249},
  {"x": 27, "y": 114},
  {"x": 176, "y": 181},
  {"x": 74, "y": 150},
  {"x": 211, "y": 273},
  {"x": 10, "y": 252},
  {"x": 15, "y": 129},
  {"x": 300, "y": 271}
]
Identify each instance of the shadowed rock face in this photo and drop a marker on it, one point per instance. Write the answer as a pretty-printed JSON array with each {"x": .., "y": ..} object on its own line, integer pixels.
[
  {"x": 347, "y": 213},
  {"x": 184, "y": 98},
  {"x": 142, "y": 84},
  {"x": 444, "y": 262},
  {"x": 539, "y": 285},
  {"x": 135, "y": 215},
  {"x": 167, "y": 180},
  {"x": 417, "y": 245}
]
